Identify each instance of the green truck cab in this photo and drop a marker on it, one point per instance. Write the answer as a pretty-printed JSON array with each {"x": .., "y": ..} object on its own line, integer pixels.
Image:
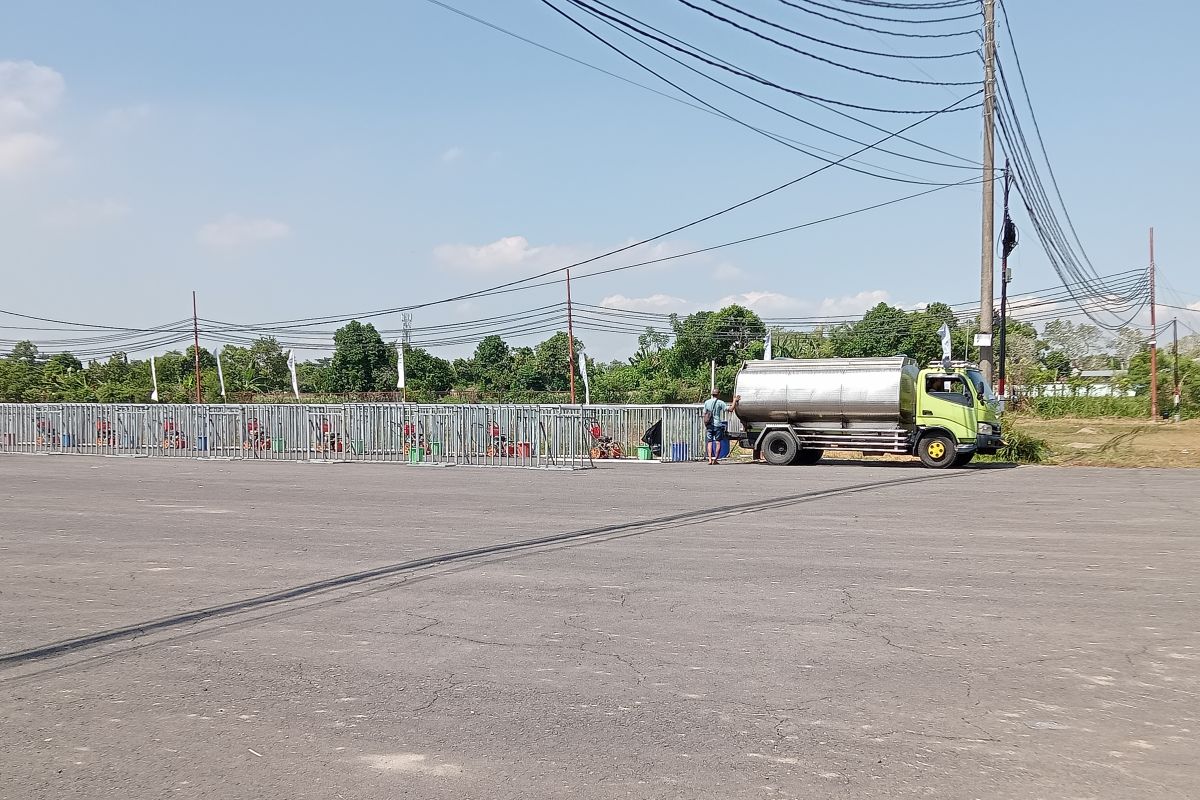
[{"x": 957, "y": 415}]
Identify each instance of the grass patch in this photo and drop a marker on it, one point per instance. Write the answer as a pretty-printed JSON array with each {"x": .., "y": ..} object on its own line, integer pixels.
[{"x": 1116, "y": 442}]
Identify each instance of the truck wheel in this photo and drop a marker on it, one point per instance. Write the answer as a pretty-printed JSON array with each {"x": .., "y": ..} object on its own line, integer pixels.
[
  {"x": 936, "y": 450},
  {"x": 962, "y": 459},
  {"x": 807, "y": 458},
  {"x": 779, "y": 448}
]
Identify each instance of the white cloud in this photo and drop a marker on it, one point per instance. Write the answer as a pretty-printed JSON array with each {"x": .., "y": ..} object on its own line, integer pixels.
[
  {"x": 776, "y": 304},
  {"x": 232, "y": 231},
  {"x": 509, "y": 252},
  {"x": 24, "y": 150},
  {"x": 125, "y": 118},
  {"x": 452, "y": 154},
  {"x": 1194, "y": 306},
  {"x": 28, "y": 92},
  {"x": 728, "y": 272},
  {"x": 82, "y": 214},
  {"x": 662, "y": 303},
  {"x": 516, "y": 253}
]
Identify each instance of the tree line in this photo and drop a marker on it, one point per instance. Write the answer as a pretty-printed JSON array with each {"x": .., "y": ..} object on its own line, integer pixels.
[{"x": 666, "y": 367}]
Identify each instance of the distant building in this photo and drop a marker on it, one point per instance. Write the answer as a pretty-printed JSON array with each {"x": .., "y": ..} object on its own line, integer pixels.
[{"x": 1086, "y": 383}]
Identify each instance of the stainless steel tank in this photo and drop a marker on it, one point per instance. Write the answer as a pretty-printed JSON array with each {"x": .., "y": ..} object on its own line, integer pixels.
[{"x": 817, "y": 392}]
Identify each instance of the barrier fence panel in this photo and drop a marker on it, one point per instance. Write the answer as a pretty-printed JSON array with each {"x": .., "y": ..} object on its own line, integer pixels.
[
  {"x": 618, "y": 431},
  {"x": 682, "y": 433},
  {"x": 483, "y": 435},
  {"x": 48, "y": 429},
  {"x": 225, "y": 432},
  {"x": 327, "y": 432}
]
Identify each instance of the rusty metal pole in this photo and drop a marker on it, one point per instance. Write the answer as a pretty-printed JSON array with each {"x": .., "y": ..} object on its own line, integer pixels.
[
  {"x": 1153, "y": 339},
  {"x": 570, "y": 340},
  {"x": 1004, "y": 278},
  {"x": 196, "y": 349}
]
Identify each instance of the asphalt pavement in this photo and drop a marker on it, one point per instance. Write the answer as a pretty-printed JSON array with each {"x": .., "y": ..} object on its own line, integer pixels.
[{"x": 853, "y": 630}]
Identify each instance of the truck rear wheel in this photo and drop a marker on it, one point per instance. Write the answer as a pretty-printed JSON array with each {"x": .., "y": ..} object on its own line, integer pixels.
[
  {"x": 779, "y": 448},
  {"x": 807, "y": 458},
  {"x": 936, "y": 450}
]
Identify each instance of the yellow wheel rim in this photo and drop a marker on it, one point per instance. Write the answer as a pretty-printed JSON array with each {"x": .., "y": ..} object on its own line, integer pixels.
[{"x": 937, "y": 450}]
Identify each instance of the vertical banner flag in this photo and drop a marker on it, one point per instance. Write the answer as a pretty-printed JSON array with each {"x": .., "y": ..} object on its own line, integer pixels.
[
  {"x": 292, "y": 369},
  {"x": 220, "y": 373},
  {"x": 399, "y": 366},
  {"x": 767, "y": 347},
  {"x": 712, "y": 376},
  {"x": 947, "y": 347},
  {"x": 587, "y": 389},
  {"x": 154, "y": 381}
]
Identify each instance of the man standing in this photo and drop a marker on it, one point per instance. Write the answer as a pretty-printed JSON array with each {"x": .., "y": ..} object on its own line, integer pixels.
[{"x": 713, "y": 415}]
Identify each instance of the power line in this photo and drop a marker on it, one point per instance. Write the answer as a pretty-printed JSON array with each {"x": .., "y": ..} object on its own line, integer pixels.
[
  {"x": 695, "y": 106},
  {"x": 908, "y": 21},
  {"x": 832, "y": 109},
  {"x": 794, "y": 32},
  {"x": 856, "y": 25},
  {"x": 745, "y": 74},
  {"x": 730, "y": 117}
]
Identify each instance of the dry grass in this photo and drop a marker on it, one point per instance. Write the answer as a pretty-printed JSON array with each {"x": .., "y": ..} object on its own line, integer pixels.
[
  {"x": 1109, "y": 442},
  {"x": 1091, "y": 442}
]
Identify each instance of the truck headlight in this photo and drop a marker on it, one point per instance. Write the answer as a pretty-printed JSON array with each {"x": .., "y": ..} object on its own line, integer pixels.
[{"x": 984, "y": 429}]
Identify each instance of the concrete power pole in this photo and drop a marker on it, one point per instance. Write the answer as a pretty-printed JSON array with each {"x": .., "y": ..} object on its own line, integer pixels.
[
  {"x": 196, "y": 346},
  {"x": 986, "y": 280},
  {"x": 570, "y": 340},
  {"x": 1153, "y": 339},
  {"x": 1175, "y": 366}
]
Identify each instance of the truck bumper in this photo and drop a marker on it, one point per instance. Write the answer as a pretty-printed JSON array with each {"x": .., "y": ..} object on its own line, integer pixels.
[{"x": 989, "y": 445}]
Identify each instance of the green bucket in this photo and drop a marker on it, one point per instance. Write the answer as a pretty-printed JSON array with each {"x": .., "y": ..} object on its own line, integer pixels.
[
  {"x": 435, "y": 448},
  {"x": 357, "y": 447},
  {"x": 278, "y": 445},
  {"x": 645, "y": 453},
  {"x": 416, "y": 455}
]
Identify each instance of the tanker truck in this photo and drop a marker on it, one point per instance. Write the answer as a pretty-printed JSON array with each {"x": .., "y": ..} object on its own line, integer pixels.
[{"x": 792, "y": 410}]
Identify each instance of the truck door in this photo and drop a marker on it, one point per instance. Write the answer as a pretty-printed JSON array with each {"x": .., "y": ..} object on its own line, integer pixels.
[{"x": 946, "y": 400}]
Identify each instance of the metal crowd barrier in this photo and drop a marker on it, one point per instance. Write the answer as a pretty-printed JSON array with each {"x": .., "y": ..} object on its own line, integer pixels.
[{"x": 564, "y": 436}]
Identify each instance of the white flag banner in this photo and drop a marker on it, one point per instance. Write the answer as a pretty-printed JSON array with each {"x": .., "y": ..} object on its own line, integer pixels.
[
  {"x": 153, "y": 381},
  {"x": 767, "y": 348},
  {"x": 400, "y": 366},
  {"x": 292, "y": 369},
  {"x": 712, "y": 376},
  {"x": 947, "y": 346},
  {"x": 220, "y": 374},
  {"x": 587, "y": 389}
]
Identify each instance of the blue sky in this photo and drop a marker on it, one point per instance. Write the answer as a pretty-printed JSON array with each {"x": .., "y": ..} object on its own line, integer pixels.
[{"x": 291, "y": 160}]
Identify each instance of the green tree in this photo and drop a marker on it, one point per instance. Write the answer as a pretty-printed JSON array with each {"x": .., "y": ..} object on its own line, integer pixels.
[
  {"x": 1189, "y": 372},
  {"x": 426, "y": 373},
  {"x": 25, "y": 351},
  {"x": 361, "y": 361}
]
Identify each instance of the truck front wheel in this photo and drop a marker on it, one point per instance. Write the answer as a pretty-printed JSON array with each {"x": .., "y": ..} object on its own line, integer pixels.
[
  {"x": 936, "y": 450},
  {"x": 779, "y": 448}
]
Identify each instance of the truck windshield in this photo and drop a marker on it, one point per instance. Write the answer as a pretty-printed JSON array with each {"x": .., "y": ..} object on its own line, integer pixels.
[{"x": 982, "y": 390}]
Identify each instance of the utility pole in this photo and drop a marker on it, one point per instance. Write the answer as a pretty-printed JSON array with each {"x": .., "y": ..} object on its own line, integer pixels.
[
  {"x": 1007, "y": 242},
  {"x": 1175, "y": 366},
  {"x": 570, "y": 340},
  {"x": 1153, "y": 340},
  {"x": 196, "y": 349},
  {"x": 986, "y": 279}
]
